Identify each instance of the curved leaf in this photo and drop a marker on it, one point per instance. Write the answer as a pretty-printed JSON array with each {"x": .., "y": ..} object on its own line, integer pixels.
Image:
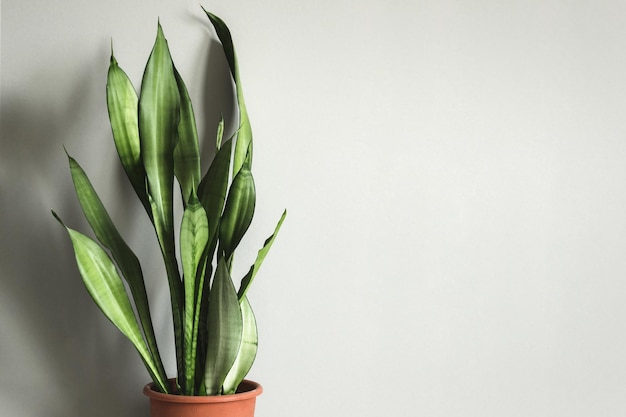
[
  {"x": 238, "y": 211},
  {"x": 122, "y": 103},
  {"x": 108, "y": 235},
  {"x": 247, "y": 280},
  {"x": 244, "y": 134},
  {"x": 214, "y": 186},
  {"x": 247, "y": 349},
  {"x": 225, "y": 326},
  {"x": 106, "y": 288}
]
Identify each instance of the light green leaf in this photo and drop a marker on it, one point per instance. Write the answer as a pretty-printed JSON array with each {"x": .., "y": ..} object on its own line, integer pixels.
[
  {"x": 159, "y": 114},
  {"x": 108, "y": 235},
  {"x": 220, "y": 134},
  {"x": 247, "y": 280},
  {"x": 122, "y": 103},
  {"x": 186, "y": 153},
  {"x": 225, "y": 326},
  {"x": 106, "y": 288},
  {"x": 194, "y": 235},
  {"x": 238, "y": 211},
  {"x": 247, "y": 349}
]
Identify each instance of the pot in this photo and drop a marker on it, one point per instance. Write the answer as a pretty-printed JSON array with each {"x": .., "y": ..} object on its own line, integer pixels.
[{"x": 240, "y": 404}]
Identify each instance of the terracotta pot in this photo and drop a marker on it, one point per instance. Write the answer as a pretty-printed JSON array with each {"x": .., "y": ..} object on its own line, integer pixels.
[{"x": 240, "y": 404}]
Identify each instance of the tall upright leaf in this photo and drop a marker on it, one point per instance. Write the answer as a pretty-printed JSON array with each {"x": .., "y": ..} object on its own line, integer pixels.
[
  {"x": 243, "y": 146},
  {"x": 186, "y": 153},
  {"x": 159, "y": 114},
  {"x": 225, "y": 326},
  {"x": 122, "y": 103},
  {"x": 194, "y": 234},
  {"x": 109, "y": 237}
]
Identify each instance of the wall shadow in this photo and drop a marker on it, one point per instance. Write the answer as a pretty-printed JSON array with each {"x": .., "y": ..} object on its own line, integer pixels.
[
  {"x": 218, "y": 101},
  {"x": 54, "y": 337}
]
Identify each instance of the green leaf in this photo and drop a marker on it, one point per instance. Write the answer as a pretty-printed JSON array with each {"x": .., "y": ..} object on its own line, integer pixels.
[
  {"x": 122, "y": 103},
  {"x": 194, "y": 235},
  {"x": 247, "y": 280},
  {"x": 108, "y": 235},
  {"x": 238, "y": 211},
  {"x": 186, "y": 153},
  {"x": 106, "y": 288},
  {"x": 159, "y": 114},
  {"x": 243, "y": 147},
  {"x": 247, "y": 349},
  {"x": 225, "y": 326},
  {"x": 214, "y": 186}
]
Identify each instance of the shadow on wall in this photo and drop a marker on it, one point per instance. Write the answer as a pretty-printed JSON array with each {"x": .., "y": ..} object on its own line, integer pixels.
[
  {"x": 218, "y": 101},
  {"x": 54, "y": 339}
]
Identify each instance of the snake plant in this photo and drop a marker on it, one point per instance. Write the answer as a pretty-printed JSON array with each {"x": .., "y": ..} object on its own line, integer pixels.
[{"x": 155, "y": 135}]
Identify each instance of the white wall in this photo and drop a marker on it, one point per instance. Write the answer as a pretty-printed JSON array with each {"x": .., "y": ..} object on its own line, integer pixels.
[{"x": 456, "y": 184}]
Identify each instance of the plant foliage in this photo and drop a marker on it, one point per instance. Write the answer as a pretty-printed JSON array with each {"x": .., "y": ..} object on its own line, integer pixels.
[{"x": 156, "y": 138}]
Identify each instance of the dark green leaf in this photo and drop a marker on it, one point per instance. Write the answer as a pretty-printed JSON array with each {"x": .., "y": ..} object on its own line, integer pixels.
[
  {"x": 238, "y": 211},
  {"x": 225, "y": 326},
  {"x": 186, "y": 153},
  {"x": 214, "y": 186},
  {"x": 247, "y": 280},
  {"x": 243, "y": 147}
]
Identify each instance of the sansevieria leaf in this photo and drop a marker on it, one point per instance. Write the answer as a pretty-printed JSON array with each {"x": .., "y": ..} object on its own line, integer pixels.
[
  {"x": 247, "y": 349},
  {"x": 186, "y": 153},
  {"x": 213, "y": 188},
  {"x": 238, "y": 211},
  {"x": 122, "y": 104},
  {"x": 106, "y": 288},
  {"x": 225, "y": 326},
  {"x": 109, "y": 237},
  {"x": 159, "y": 114},
  {"x": 194, "y": 234},
  {"x": 156, "y": 137},
  {"x": 247, "y": 280},
  {"x": 243, "y": 147}
]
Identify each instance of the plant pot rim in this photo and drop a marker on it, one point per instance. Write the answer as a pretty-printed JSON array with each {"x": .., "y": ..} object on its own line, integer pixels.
[{"x": 247, "y": 389}]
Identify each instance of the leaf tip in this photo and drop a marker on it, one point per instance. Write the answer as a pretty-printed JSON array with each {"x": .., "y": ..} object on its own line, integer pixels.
[
  {"x": 56, "y": 216},
  {"x": 112, "y": 60}
]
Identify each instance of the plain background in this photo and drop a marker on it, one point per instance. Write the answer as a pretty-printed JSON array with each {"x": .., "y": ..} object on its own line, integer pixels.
[{"x": 455, "y": 175}]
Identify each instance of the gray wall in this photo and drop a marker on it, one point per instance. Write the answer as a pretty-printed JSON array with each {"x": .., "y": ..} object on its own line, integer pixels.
[{"x": 455, "y": 174}]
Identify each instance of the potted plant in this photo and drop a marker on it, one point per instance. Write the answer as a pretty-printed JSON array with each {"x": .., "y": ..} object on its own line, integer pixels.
[{"x": 214, "y": 327}]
